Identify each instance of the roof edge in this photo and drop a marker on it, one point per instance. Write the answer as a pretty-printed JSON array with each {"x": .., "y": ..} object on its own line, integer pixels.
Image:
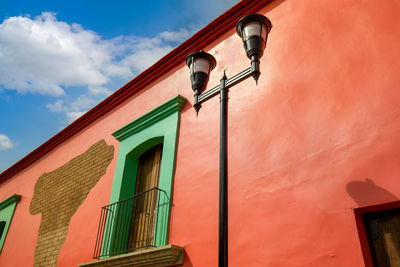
[{"x": 177, "y": 56}]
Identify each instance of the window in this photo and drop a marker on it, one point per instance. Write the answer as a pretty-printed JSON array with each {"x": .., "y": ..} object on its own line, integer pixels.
[
  {"x": 140, "y": 203},
  {"x": 383, "y": 230},
  {"x": 7, "y": 208}
]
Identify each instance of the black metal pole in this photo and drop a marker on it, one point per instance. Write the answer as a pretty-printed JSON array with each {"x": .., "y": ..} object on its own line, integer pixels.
[
  {"x": 223, "y": 89},
  {"x": 223, "y": 177}
]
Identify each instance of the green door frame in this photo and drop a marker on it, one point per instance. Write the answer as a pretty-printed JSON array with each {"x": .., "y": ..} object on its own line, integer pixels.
[{"x": 160, "y": 125}]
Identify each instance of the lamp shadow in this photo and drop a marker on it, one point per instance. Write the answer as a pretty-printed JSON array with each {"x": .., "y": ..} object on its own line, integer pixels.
[{"x": 367, "y": 192}]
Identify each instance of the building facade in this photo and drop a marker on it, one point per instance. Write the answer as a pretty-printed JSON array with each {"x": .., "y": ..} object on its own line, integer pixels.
[{"x": 314, "y": 155}]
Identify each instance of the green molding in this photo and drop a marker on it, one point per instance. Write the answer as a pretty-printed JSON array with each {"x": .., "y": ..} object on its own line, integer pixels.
[
  {"x": 7, "y": 209},
  {"x": 173, "y": 105},
  {"x": 160, "y": 125},
  {"x": 14, "y": 198}
]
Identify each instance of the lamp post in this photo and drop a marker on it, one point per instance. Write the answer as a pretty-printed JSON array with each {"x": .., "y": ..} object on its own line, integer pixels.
[{"x": 253, "y": 29}]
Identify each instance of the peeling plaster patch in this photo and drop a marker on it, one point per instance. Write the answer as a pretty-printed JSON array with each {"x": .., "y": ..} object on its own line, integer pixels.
[{"x": 58, "y": 195}]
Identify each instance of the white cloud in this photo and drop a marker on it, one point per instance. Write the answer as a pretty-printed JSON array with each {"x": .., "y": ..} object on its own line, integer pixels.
[
  {"x": 75, "y": 108},
  {"x": 57, "y": 106},
  {"x": 141, "y": 59},
  {"x": 47, "y": 56},
  {"x": 82, "y": 103},
  {"x": 73, "y": 115},
  {"x": 51, "y": 57},
  {"x": 99, "y": 90},
  {"x": 144, "y": 52},
  {"x": 5, "y": 142},
  {"x": 178, "y": 36},
  {"x": 44, "y": 55}
]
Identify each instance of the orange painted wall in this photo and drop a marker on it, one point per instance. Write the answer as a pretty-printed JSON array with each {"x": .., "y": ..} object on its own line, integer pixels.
[
  {"x": 316, "y": 139},
  {"x": 304, "y": 143}
]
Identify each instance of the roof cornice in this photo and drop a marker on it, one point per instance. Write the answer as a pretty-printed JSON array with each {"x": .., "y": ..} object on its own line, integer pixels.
[{"x": 202, "y": 38}]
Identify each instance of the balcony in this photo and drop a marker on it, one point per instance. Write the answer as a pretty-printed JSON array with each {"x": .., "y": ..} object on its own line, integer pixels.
[
  {"x": 132, "y": 224},
  {"x": 133, "y": 232}
]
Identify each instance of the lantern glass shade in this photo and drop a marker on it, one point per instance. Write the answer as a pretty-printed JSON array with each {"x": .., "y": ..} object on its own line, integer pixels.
[
  {"x": 200, "y": 65},
  {"x": 254, "y": 29},
  {"x": 253, "y": 25}
]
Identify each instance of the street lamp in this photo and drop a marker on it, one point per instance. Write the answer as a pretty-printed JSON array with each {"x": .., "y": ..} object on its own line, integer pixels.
[
  {"x": 253, "y": 29},
  {"x": 200, "y": 64}
]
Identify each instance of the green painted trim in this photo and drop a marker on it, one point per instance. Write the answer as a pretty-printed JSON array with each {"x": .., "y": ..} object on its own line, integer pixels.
[
  {"x": 7, "y": 209},
  {"x": 14, "y": 198},
  {"x": 160, "y": 125},
  {"x": 173, "y": 105}
]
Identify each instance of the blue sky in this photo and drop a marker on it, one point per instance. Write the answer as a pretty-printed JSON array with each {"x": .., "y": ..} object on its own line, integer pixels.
[{"x": 58, "y": 59}]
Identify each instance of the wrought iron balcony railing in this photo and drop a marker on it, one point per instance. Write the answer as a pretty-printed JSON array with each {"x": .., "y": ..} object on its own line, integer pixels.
[{"x": 132, "y": 224}]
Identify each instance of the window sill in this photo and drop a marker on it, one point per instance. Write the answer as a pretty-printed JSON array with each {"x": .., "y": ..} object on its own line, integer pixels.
[{"x": 168, "y": 255}]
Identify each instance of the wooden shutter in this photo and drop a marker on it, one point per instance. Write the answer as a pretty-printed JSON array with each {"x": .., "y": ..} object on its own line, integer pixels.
[{"x": 384, "y": 235}]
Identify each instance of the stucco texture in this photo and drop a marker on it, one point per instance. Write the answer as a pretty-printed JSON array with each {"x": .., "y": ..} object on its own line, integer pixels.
[
  {"x": 58, "y": 194},
  {"x": 317, "y": 138}
]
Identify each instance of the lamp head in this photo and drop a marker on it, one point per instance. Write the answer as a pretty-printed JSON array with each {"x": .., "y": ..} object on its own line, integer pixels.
[
  {"x": 254, "y": 29},
  {"x": 200, "y": 64}
]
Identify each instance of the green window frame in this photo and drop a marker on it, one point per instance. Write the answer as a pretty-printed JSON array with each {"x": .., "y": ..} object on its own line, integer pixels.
[
  {"x": 7, "y": 209},
  {"x": 160, "y": 125}
]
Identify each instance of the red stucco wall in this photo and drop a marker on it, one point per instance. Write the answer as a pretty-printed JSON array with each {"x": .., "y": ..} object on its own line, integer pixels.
[{"x": 316, "y": 139}]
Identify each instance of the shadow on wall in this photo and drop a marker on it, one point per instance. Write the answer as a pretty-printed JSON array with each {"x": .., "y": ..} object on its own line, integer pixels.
[
  {"x": 186, "y": 260},
  {"x": 367, "y": 193}
]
